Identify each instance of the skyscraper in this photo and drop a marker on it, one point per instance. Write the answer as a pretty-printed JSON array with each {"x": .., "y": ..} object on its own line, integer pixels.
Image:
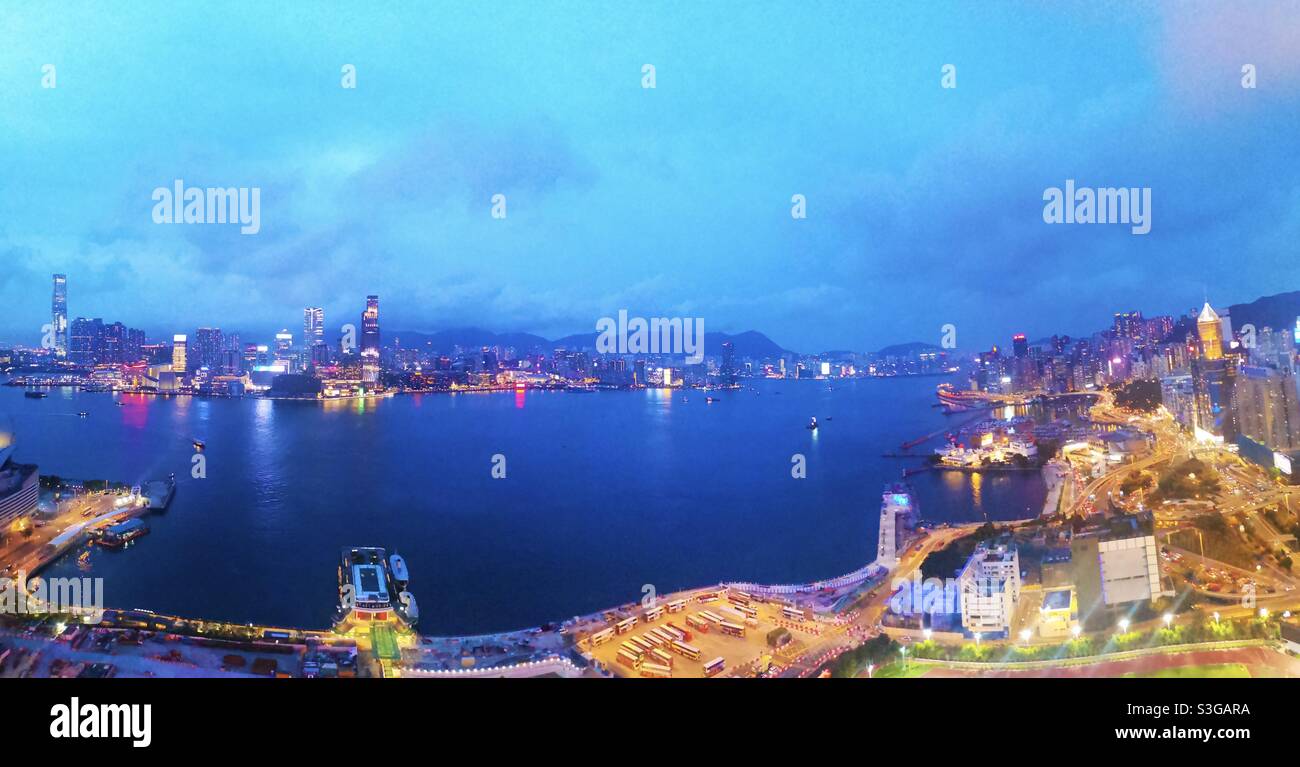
[
  {"x": 728, "y": 370},
  {"x": 313, "y": 326},
  {"x": 1210, "y": 329},
  {"x": 179, "y": 360},
  {"x": 59, "y": 314},
  {"x": 207, "y": 349},
  {"x": 370, "y": 341},
  {"x": 1019, "y": 345}
]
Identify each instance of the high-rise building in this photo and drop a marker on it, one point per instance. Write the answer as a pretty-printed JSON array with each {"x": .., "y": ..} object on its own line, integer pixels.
[
  {"x": 990, "y": 589},
  {"x": 313, "y": 326},
  {"x": 179, "y": 356},
  {"x": 87, "y": 341},
  {"x": 1210, "y": 328},
  {"x": 370, "y": 341},
  {"x": 728, "y": 371},
  {"x": 59, "y": 314},
  {"x": 1019, "y": 346},
  {"x": 207, "y": 349},
  {"x": 1267, "y": 408}
]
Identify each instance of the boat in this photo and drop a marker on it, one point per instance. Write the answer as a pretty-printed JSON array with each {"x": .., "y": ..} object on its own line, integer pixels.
[
  {"x": 83, "y": 414},
  {"x": 710, "y": 400},
  {"x": 32, "y": 394},
  {"x": 812, "y": 424},
  {"x": 122, "y": 533},
  {"x": 199, "y": 445},
  {"x": 397, "y": 568}
]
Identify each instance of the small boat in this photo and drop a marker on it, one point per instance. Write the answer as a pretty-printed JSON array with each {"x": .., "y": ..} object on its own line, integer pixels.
[
  {"x": 32, "y": 394},
  {"x": 83, "y": 414},
  {"x": 198, "y": 444},
  {"x": 710, "y": 400},
  {"x": 812, "y": 424}
]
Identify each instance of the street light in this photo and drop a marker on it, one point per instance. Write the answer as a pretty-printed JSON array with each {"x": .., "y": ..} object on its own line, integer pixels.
[
  {"x": 927, "y": 633},
  {"x": 1263, "y": 612},
  {"x": 1076, "y": 629},
  {"x": 1169, "y": 618},
  {"x": 1216, "y": 617},
  {"x": 1025, "y": 634},
  {"x": 1123, "y": 625}
]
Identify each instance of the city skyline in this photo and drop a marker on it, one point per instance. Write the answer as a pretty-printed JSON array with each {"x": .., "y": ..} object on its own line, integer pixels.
[{"x": 917, "y": 190}]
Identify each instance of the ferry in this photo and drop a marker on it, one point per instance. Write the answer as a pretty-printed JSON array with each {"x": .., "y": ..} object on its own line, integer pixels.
[
  {"x": 83, "y": 414},
  {"x": 956, "y": 401},
  {"x": 812, "y": 424},
  {"x": 199, "y": 445},
  {"x": 372, "y": 589},
  {"x": 118, "y": 535},
  {"x": 33, "y": 394}
]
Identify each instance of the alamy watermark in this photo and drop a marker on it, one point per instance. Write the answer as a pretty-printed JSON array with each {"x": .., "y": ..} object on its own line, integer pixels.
[
  {"x": 180, "y": 204},
  {"x": 82, "y": 597},
  {"x": 657, "y": 335},
  {"x": 1103, "y": 205}
]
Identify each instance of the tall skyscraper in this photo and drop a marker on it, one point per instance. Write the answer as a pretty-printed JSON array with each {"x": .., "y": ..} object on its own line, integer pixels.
[
  {"x": 179, "y": 358},
  {"x": 207, "y": 349},
  {"x": 313, "y": 326},
  {"x": 370, "y": 341},
  {"x": 1019, "y": 345},
  {"x": 728, "y": 370},
  {"x": 1210, "y": 329},
  {"x": 59, "y": 315}
]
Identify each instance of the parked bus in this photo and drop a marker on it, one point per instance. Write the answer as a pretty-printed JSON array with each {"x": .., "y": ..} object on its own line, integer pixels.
[
  {"x": 746, "y": 611},
  {"x": 687, "y": 651},
  {"x": 698, "y": 623},
  {"x": 685, "y": 634},
  {"x": 628, "y": 659},
  {"x": 677, "y": 605},
  {"x": 734, "y": 629},
  {"x": 602, "y": 636},
  {"x": 626, "y": 625},
  {"x": 634, "y": 649},
  {"x": 715, "y": 666},
  {"x": 711, "y": 617},
  {"x": 643, "y": 644},
  {"x": 653, "y": 614},
  {"x": 793, "y": 613},
  {"x": 666, "y": 636},
  {"x": 706, "y": 597},
  {"x": 661, "y": 657},
  {"x": 732, "y": 615},
  {"x": 655, "y": 670},
  {"x": 673, "y": 633},
  {"x": 739, "y": 597}
]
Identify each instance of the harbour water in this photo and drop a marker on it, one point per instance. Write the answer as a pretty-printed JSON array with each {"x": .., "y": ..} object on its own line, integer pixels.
[{"x": 605, "y": 494}]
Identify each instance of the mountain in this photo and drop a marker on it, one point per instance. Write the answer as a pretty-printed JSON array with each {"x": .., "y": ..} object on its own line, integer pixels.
[
  {"x": 751, "y": 343},
  {"x": 1277, "y": 311},
  {"x": 468, "y": 338},
  {"x": 910, "y": 349}
]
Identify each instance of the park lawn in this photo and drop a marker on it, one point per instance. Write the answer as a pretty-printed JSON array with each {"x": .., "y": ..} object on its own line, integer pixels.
[
  {"x": 897, "y": 671},
  {"x": 1207, "y": 671}
]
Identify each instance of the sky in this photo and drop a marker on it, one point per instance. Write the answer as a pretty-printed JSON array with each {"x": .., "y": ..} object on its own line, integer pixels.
[{"x": 924, "y": 204}]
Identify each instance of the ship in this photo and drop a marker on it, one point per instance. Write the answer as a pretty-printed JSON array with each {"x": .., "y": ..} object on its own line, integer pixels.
[
  {"x": 368, "y": 580},
  {"x": 958, "y": 401},
  {"x": 33, "y": 394},
  {"x": 118, "y": 535}
]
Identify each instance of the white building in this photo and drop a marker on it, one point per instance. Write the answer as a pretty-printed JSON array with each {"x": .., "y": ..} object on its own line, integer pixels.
[{"x": 990, "y": 589}]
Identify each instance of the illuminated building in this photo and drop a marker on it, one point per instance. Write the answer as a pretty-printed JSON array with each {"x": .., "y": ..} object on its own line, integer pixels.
[
  {"x": 370, "y": 341},
  {"x": 1210, "y": 328},
  {"x": 1115, "y": 565},
  {"x": 1267, "y": 408},
  {"x": 207, "y": 349},
  {"x": 990, "y": 589},
  {"x": 59, "y": 314},
  {"x": 19, "y": 483},
  {"x": 87, "y": 341},
  {"x": 313, "y": 335},
  {"x": 179, "y": 361},
  {"x": 1019, "y": 346}
]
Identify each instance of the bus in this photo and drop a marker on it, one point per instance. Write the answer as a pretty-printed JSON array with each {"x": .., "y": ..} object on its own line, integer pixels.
[
  {"x": 677, "y": 605},
  {"x": 631, "y": 648},
  {"x": 698, "y": 623},
  {"x": 600, "y": 637},
  {"x": 746, "y": 611},
  {"x": 733, "y": 615},
  {"x": 793, "y": 613},
  {"x": 629, "y": 660},
  {"x": 673, "y": 633},
  {"x": 685, "y": 635},
  {"x": 711, "y": 617},
  {"x": 739, "y": 597},
  {"x": 661, "y": 657},
  {"x": 734, "y": 629},
  {"x": 706, "y": 597},
  {"x": 645, "y": 645},
  {"x": 715, "y": 666},
  {"x": 655, "y": 670},
  {"x": 626, "y": 625},
  {"x": 653, "y": 614},
  {"x": 665, "y": 635},
  {"x": 686, "y": 651}
]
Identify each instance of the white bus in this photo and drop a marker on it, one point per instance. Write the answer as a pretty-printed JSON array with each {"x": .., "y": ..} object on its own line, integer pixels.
[
  {"x": 793, "y": 613},
  {"x": 602, "y": 636},
  {"x": 734, "y": 629},
  {"x": 626, "y": 625},
  {"x": 677, "y": 605},
  {"x": 711, "y": 617},
  {"x": 715, "y": 666},
  {"x": 698, "y": 622},
  {"x": 706, "y": 597},
  {"x": 628, "y": 659},
  {"x": 740, "y": 597},
  {"x": 747, "y": 611},
  {"x": 687, "y": 651},
  {"x": 653, "y": 614},
  {"x": 655, "y": 670},
  {"x": 732, "y": 614},
  {"x": 661, "y": 657}
]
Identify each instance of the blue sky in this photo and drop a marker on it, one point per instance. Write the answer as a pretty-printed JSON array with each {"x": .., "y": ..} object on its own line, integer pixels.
[{"x": 924, "y": 204}]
